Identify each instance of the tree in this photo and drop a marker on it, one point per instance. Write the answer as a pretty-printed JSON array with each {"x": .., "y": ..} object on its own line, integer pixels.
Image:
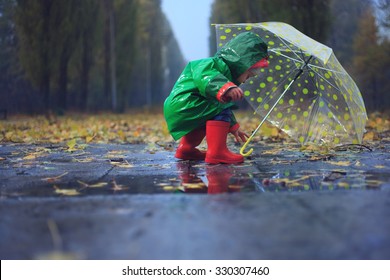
[
  {"x": 371, "y": 62},
  {"x": 33, "y": 25},
  {"x": 309, "y": 16}
]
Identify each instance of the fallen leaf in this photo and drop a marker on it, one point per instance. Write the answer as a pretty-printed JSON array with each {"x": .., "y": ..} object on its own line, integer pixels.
[
  {"x": 71, "y": 144},
  {"x": 54, "y": 179},
  {"x": 69, "y": 192},
  {"x": 118, "y": 187},
  {"x": 340, "y": 163},
  {"x": 380, "y": 166}
]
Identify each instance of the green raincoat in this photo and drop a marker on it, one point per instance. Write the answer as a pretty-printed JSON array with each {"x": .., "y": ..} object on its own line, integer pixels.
[{"x": 196, "y": 96}]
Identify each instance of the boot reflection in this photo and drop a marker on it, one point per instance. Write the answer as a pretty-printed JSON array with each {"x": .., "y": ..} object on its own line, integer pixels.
[
  {"x": 218, "y": 177},
  {"x": 190, "y": 182}
]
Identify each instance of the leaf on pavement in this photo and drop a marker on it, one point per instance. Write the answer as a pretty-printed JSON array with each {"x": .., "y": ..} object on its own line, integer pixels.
[
  {"x": 340, "y": 163},
  {"x": 68, "y": 192}
]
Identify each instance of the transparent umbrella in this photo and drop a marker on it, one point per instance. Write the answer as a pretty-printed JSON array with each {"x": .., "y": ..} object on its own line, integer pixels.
[{"x": 305, "y": 91}]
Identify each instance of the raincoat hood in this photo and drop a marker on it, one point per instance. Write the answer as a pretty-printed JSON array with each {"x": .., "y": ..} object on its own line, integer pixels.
[{"x": 242, "y": 52}]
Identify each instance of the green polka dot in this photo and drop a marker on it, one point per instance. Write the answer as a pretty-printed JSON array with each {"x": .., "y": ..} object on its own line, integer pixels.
[
  {"x": 346, "y": 117},
  {"x": 271, "y": 43},
  {"x": 279, "y": 115},
  {"x": 262, "y": 85},
  {"x": 270, "y": 79},
  {"x": 330, "y": 115},
  {"x": 301, "y": 139},
  {"x": 291, "y": 102},
  {"x": 278, "y": 67},
  {"x": 327, "y": 75},
  {"x": 281, "y": 101},
  {"x": 228, "y": 30},
  {"x": 223, "y": 37},
  {"x": 286, "y": 127},
  {"x": 305, "y": 91},
  {"x": 266, "y": 106},
  {"x": 335, "y": 97},
  {"x": 247, "y": 93},
  {"x": 306, "y": 114},
  {"x": 248, "y": 27},
  {"x": 322, "y": 87},
  {"x": 321, "y": 104},
  {"x": 293, "y": 117},
  {"x": 259, "y": 99}
]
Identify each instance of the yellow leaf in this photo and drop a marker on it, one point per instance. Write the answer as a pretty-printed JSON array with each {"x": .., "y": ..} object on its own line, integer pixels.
[
  {"x": 98, "y": 185},
  {"x": 380, "y": 166},
  {"x": 30, "y": 156},
  {"x": 340, "y": 163},
  {"x": 71, "y": 144},
  {"x": 89, "y": 138},
  {"x": 70, "y": 192}
]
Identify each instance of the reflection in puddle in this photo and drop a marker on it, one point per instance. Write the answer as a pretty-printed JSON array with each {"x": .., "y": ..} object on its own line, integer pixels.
[{"x": 214, "y": 179}]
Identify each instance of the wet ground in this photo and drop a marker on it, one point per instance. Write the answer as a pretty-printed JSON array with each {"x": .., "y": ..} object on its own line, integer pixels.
[{"x": 104, "y": 201}]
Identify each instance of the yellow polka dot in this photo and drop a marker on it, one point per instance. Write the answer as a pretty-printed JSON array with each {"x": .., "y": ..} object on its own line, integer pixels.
[
  {"x": 301, "y": 139},
  {"x": 330, "y": 115},
  {"x": 259, "y": 99},
  {"x": 281, "y": 101},
  {"x": 223, "y": 37},
  {"x": 266, "y": 106},
  {"x": 248, "y": 27},
  {"x": 247, "y": 93},
  {"x": 335, "y": 97},
  {"x": 291, "y": 102},
  {"x": 336, "y": 140},
  {"x": 306, "y": 114},
  {"x": 278, "y": 67},
  {"x": 228, "y": 30},
  {"x": 286, "y": 127},
  {"x": 262, "y": 85},
  {"x": 305, "y": 91},
  {"x": 279, "y": 115},
  {"x": 346, "y": 117},
  {"x": 293, "y": 117},
  {"x": 271, "y": 43}
]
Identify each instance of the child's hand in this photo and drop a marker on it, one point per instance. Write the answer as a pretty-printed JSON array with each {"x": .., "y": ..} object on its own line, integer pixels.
[
  {"x": 240, "y": 135},
  {"x": 233, "y": 94}
]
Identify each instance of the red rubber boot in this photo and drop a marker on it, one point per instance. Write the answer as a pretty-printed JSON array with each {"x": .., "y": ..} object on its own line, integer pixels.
[
  {"x": 187, "y": 147},
  {"x": 217, "y": 151}
]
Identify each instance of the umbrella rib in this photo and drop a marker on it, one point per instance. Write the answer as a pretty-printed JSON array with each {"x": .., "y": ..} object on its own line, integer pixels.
[
  {"x": 326, "y": 80},
  {"x": 278, "y": 51},
  {"x": 285, "y": 43},
  {"x": 326, "y": 69}
]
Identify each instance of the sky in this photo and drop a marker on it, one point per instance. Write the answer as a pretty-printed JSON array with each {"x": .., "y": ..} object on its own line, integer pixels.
[{"x": 189, "y": 20}]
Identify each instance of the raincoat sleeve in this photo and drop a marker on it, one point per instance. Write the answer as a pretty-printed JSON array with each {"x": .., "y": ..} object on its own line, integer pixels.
[{"x": 209, "y": 79}]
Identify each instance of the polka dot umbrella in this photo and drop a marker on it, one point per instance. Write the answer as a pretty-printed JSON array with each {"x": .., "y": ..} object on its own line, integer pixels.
[{"x": 305, "y": 91}]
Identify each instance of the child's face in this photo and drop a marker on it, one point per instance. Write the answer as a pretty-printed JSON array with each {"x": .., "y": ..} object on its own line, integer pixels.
[{"x": 245, "y": 76}]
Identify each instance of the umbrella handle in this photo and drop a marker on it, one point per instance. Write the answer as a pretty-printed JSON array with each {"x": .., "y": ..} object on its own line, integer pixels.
[{"x": 244, "y": 147}]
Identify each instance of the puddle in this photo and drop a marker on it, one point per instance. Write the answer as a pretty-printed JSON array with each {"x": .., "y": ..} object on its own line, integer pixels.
[
  {"x": 214, "y": 179},
  {"x": 131, "y": 173}
]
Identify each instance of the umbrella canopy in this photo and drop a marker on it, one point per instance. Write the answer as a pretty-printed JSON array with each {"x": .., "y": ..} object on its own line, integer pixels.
[{"x": 305, "y": 91}]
